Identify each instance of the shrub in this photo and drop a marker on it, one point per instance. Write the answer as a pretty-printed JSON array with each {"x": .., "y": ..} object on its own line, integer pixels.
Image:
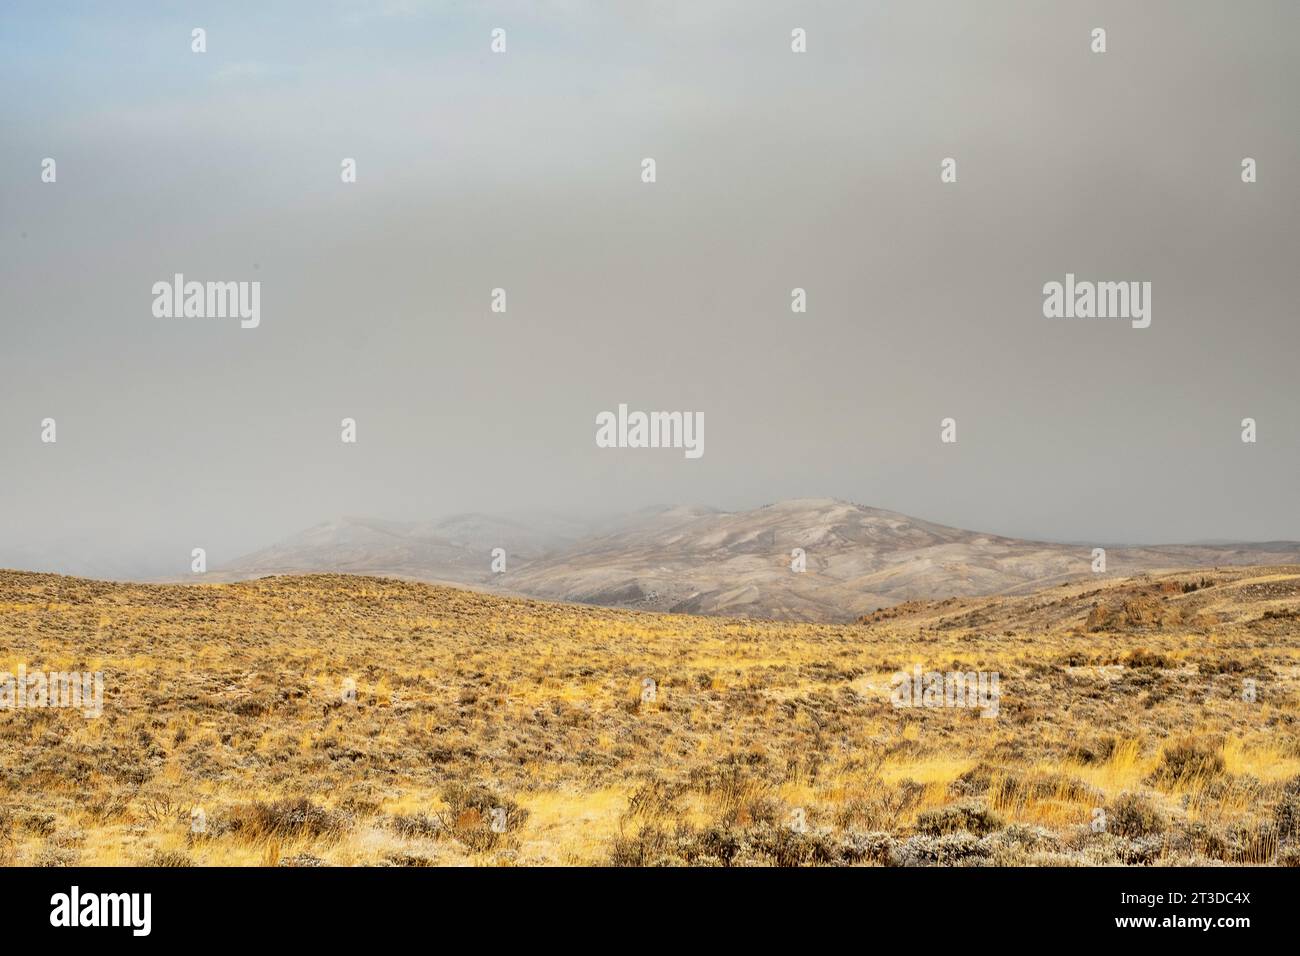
[
  {"x": 962, "y": 817},
  {"x": 1133, "y": 815},
  {"x": 417, "y": 826},
  {"x": 168, "y": 858},
  {"x": 949, "y": 850},
  {"x": 288, "y": 818},
  {"x": 1141, "y": 657},
  {"x": 469, "y": 815},
  {"x": 1287, "y": 812},
  {"x": 1187, "y": 760}
]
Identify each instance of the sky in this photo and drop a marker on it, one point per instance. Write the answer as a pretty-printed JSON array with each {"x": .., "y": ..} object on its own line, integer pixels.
[{"x": 522, "y": 170}]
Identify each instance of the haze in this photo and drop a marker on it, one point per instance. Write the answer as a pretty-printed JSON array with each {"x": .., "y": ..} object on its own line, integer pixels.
[{"x": 522, "y": 171}]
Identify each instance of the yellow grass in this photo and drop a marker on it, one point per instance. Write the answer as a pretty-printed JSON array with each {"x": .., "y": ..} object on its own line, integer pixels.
[{"x": 468, "y": 708}]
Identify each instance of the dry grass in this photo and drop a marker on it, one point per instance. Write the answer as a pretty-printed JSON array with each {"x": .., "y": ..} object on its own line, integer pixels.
[{"x": 493, "y": 731}]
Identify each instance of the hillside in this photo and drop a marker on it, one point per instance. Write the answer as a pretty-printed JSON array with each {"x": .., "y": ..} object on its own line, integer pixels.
[
  {"x": 343, "y": 720},
  {"x": 738, "y": 564}
]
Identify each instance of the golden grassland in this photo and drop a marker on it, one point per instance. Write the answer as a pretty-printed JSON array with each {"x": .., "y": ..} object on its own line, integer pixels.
[{"x": 342, "y": 720}]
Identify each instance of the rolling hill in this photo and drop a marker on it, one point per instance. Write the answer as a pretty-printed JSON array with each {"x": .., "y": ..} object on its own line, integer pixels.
[
  {"x": 349, "y": 720},
  {"x": 706, "y": 561}
]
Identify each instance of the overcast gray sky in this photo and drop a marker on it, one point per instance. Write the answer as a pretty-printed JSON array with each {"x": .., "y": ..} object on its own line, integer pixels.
[{"x": 521, "y": 170}]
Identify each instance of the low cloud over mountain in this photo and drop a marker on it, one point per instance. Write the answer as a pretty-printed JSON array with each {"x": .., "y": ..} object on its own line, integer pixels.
[{"x": 704, "y": 561}]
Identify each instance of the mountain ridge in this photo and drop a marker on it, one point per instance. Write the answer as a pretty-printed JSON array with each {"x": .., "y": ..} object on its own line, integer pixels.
[{"x": 701, "y": 560}]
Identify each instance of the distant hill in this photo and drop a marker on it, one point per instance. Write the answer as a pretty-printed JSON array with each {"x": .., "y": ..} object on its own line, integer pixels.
[{"x": 705, "y": 561}]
